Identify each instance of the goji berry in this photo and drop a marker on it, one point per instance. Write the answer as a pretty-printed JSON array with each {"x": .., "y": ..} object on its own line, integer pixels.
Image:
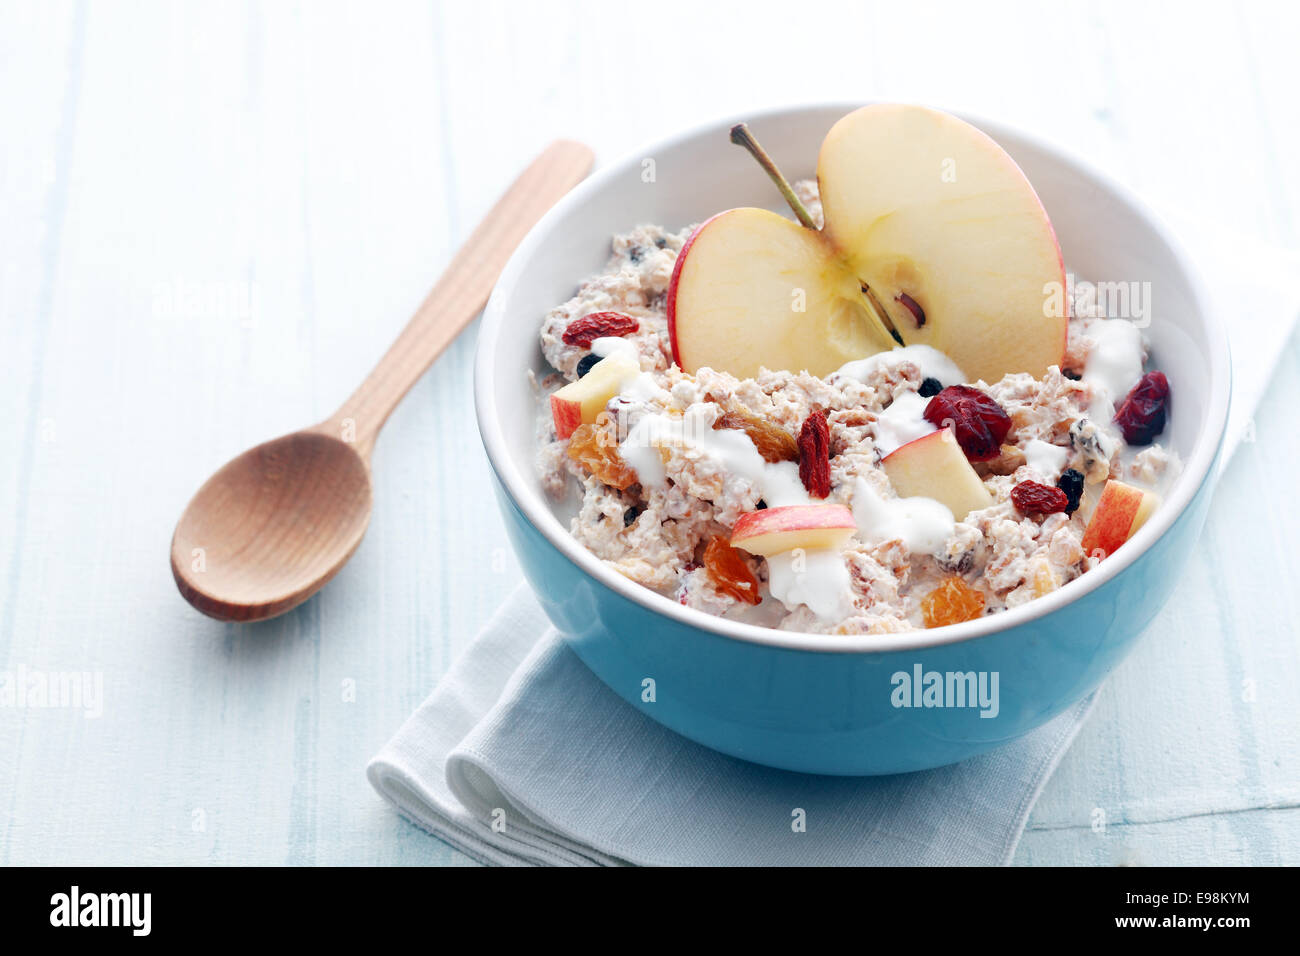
[
  {"x": 595, "y": 325},
  {"x": 815, "y": 455}
]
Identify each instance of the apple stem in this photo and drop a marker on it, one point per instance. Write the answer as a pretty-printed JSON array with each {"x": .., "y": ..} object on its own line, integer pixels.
[{"x": 741, "y": 136}]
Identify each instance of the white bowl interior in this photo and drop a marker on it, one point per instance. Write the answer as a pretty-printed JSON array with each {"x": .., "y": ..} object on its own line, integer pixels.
[{"x": 1105, "y": 235}]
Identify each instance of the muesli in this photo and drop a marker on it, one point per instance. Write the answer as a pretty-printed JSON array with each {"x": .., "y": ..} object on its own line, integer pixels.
[{"x": 891, "y": 492}]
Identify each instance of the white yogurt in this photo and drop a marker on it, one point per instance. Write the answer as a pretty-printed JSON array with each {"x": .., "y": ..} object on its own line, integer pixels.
[
  {"x": 922, "y": 524},
  {"x": 782, "y": 485},
  {"x": 903, "y": 421},
  {"x": 931, "y": 362},
  {"x": 1045, "y": 458},
  {"x": 636, "y": 386},
  {"x": 730, "y": 448},
  {"x": 608, "y": 345},
  {"x": 1114, "y": 365},
  {"x": 816, "y": 578},
  {"x": 643, "y": 388}
]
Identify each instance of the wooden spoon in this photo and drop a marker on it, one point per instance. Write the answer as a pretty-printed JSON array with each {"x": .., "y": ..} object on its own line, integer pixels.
[{"x": 272, "y": 526}]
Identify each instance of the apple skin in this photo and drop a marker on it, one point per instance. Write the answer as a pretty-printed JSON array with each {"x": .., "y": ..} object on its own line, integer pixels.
[
  {"x": 777, "y": 530},
  {"x": 579, "y": 402},
  {"x": 1122, "y": 510},
  {"x": 730, "y": 299},
  {"x": 934, "y": 466},
  {"x": 671, "y": 297},
  {"x": 566, "y": 414}
]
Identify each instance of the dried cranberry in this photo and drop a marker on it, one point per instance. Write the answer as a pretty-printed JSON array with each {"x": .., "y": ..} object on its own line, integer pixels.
[
  {"x": 1142, "y": 415},
  {"x": 594, "y": 325},
  {"x": 815, "y": 455},
  {"x": 1071, "y": 482},
  {"x": 1032, "y": 498},
  {"x": 978, "y": 422}
]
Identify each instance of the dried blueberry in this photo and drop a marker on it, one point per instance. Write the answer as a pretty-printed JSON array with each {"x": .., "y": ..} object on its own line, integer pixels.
[
  {"x": 584, "y": 366},
  {"x": 1071, "y": 482},
  {"x": 930, "y": 388}
]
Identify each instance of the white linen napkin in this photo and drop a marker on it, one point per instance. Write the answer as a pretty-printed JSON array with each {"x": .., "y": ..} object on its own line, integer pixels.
[{"x": 522, "y": 756}]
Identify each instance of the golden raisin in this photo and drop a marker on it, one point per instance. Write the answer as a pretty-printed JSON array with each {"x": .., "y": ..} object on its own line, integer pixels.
[
  {"x": 596, "y": 448},
  {"x": 1043, "y": 578},
  {"x": 773, "y": 442},
  {"x": 730, "y": 571},
  {"x": 952, "y": 602}
]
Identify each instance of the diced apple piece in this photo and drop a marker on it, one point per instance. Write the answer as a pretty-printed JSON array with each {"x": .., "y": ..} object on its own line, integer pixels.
[
  {"x": 934, "y": 466},
  {"x": 945, "y": 230},
  {"x": 1122, "y": 510},
  {"x": 777, "y": 530},
  {"x": 751, "y": 289},
  {"x": 578, "y": 403}
]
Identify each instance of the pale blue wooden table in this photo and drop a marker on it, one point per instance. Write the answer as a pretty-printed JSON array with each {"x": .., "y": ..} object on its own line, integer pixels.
[{"x": 214, "y": 218}]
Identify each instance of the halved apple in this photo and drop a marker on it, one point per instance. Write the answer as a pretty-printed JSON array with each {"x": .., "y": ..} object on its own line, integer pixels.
[
  {"x": 931, "y": 231},
  {"x": 751, "y": 288},
  {"x": 934, "y": 466},
  {"x": 944, "y": 228},
  {"x": 578, "y": 403},
  {"x": 1120, "y": 512},
  {"x": 777, "y": 530}
]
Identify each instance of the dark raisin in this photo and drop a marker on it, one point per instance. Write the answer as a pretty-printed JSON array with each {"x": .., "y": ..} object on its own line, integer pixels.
[
  {"x": 1033, "y": 498},
  {"x": 584, "y": 366},
  {"x": 634, "y": 253},
  {"x": 761, "y": 505},
  {"x": 930, "y": 388},
  {"x": 630, "y": 516},
  {"x": 1071, "y": 375},
  {"x": 661, "y": 242},
  {"x": 1071, "y": 482}
]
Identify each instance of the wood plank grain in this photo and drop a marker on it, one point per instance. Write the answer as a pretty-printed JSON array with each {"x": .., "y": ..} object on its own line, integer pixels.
[{"x": 254, "y": 199}]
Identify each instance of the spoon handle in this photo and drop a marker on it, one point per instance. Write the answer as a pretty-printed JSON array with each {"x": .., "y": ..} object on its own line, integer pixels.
[{"x": 460, "y": 293}]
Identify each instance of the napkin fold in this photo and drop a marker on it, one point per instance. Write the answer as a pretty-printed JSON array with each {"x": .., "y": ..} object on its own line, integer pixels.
[{"x": 522, "y": 756}]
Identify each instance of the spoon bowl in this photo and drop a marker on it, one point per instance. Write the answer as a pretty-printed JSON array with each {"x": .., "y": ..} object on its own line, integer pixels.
[{"x": 272, "y": 526}]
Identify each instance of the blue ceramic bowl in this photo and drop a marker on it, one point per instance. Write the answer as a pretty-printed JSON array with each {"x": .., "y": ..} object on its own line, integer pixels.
[{"x": 827, "y": 704}]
